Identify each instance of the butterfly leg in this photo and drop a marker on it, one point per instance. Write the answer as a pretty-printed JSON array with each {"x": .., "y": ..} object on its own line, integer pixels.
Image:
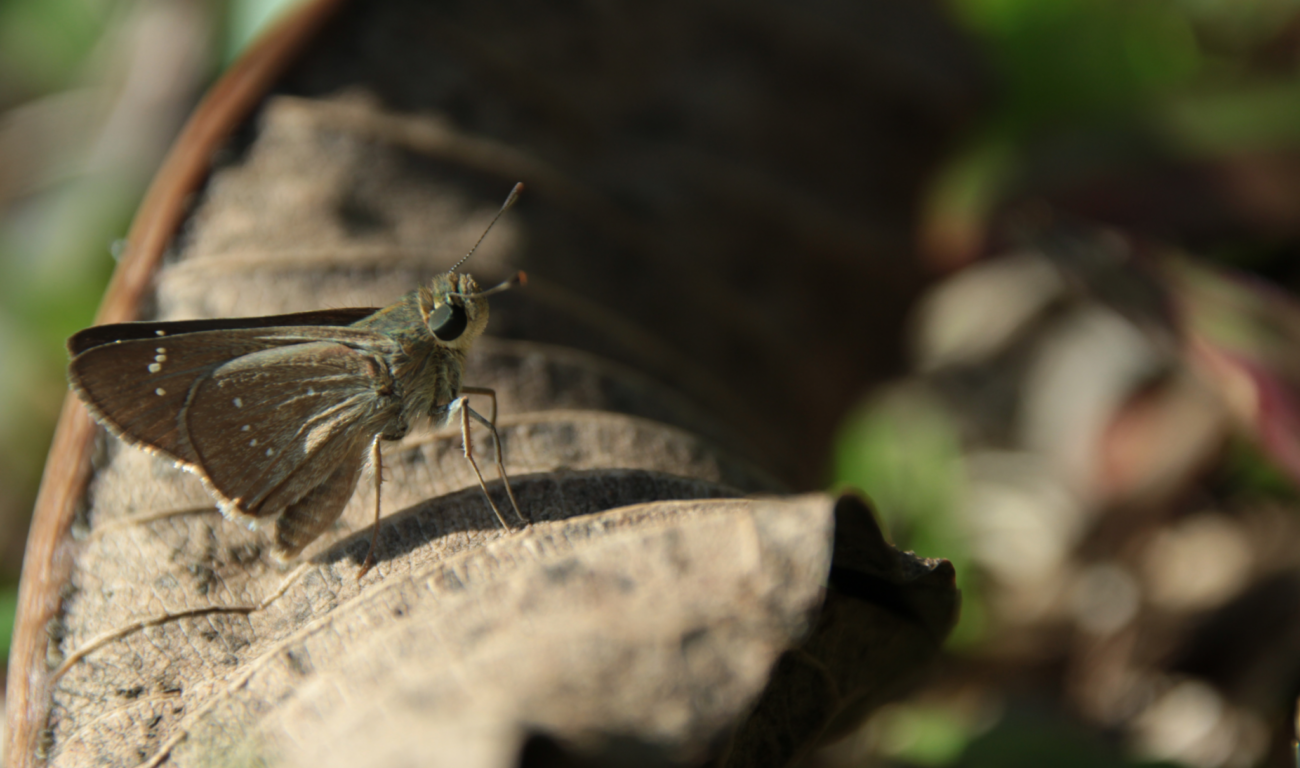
[
  {"x": 492, "y": 393},
  {"x": 469, "y": 454},
  {"x": 306, "y": 519},
  {"x": 377, "y": 462},
  {"x": 463, "y": 405},
  {"x": 491, "y": 424}
]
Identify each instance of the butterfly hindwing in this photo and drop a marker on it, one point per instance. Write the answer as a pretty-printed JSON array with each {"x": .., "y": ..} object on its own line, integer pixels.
[
  {"x": 268, "y": 427},
  {"x": 307, "y": 518}
]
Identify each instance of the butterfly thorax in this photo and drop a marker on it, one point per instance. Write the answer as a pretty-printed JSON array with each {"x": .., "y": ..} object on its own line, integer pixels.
[{"x": 434, "y": 328}]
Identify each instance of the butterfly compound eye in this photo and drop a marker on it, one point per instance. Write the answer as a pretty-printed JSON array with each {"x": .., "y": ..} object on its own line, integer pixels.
[{"x": 448, "y": 322}]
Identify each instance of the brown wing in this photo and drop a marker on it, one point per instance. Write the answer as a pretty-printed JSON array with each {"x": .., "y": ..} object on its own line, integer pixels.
[
  {"x": 269, "y": 427},
  {"x": 98, "y": 335},
  {"x": 143, "y": 389},
  {"x": 139, "y": 388}
]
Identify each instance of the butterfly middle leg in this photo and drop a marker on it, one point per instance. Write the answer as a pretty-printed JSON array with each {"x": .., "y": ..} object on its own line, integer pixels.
[{"x": 377, "y": 464}]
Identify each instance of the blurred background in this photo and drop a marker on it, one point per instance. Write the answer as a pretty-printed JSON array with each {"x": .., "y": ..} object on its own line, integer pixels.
[
  {"x": 92, "y": 92},
  {"x": 1101, "y": 426}
]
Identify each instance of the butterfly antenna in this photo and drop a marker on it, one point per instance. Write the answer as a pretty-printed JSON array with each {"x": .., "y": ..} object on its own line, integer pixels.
[
  {"x": 510, "y": 200},
  {"x": 520, "y": 278}
]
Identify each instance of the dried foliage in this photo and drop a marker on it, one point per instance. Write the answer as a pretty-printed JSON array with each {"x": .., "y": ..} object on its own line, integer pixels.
[{"x": 720, "y": 201}]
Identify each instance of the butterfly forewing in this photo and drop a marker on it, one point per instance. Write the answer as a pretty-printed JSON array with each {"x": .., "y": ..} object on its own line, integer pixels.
[
  {"x": 98, "y": 335},
  {"x": 270, "y": 426},
  {"x": 139, "y": 388}
]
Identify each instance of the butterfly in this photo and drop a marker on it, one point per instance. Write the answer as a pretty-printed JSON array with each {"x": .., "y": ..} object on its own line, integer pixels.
[{"x": 280, "y": 414}]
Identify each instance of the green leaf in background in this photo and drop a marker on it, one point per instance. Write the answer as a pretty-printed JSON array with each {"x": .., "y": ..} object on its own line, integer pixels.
[
  {"x": 248, "y": 18},
  {"x": 903, "y": 450},
  {"x": 78, "y": 145},
  {"x": 1033, "y": 739},
  {"x": 8, "y": 606},
  {"x": 1060, "y": 61},
  {"x": 1084, "y": 88},
  {"x": 44, "y": 43},
  {"x": 921, "y": 734}
]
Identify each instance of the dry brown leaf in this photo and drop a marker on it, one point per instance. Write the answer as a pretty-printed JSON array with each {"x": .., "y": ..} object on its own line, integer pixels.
[
  {"x": 658, "y": 620},
  {"x": 719, "y": 254}
]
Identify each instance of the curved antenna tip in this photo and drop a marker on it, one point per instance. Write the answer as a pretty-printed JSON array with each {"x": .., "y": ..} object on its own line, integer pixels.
[
  {"x": 510, "y": 200},
  {"x": 520, "y": 278}
]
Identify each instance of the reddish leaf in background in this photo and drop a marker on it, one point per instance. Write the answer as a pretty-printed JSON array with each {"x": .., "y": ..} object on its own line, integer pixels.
[{"x": 1244, "y": 335}]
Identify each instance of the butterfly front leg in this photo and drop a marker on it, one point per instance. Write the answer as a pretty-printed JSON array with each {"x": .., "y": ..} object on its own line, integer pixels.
[
  {"x": 466, "y": 413},
  {"x": 492, "y": 393}
]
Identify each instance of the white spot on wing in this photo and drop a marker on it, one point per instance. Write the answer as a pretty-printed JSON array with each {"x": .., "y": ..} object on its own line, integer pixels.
[
  {"x": 160, "y": 333},
  {"x": 154, "y": 367},
  {"x": 252, "y": 443},
  {"x": 270, "y": 452},
  {"x": 238, "y": 402},
  {"x": 160, "y": 391},
  {"x": 244, "y": 428},
  {"x": 161, "y": 350}
]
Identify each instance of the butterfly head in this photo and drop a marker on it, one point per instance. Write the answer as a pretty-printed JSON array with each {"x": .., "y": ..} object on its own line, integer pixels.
[{"x": 454, "y": 309}]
